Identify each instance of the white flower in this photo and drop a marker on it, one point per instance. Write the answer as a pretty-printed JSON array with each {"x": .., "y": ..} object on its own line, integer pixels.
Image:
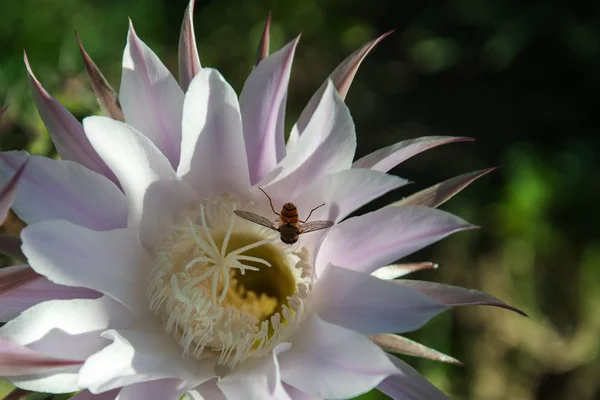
[{"x": 148, "y": 286}]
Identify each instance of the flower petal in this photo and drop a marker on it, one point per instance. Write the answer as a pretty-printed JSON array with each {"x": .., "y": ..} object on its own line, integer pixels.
[
  {"x": 11, "y": 247},
  {"x": 110, "y": 262},
  {"x": 87, "y": 395},
  {"x": 342, "y": 78},
  {"x": 136, "y": 356},
  {"x": 344, "y": 192},
  {"x": 8, "y": 192},
  {"x": 107, "y": 97},
  {"x": 255, "y": 380},
  {"x": 189, "y": 60},
  {"x": 328, "y": 361},
  {"x": 369, "y": 305},
  {"x": 388, "y": 157},
  {"x": 454, "y": 296},
  {"x": 21, "y": 288},
  {"x": 155, "y": 193},
  {"x": 408, "y": 384},
  {"x": 296, "y": 394},
  {"x": 152, "y": 100},
  {"x": 366, "y": 242},
  {"x": 16, "y": 360},
  {"x": 213, "y": 156},
  {"x": 66, "y": 132},
  {"x": 326, "y": 147},
  {"x": 402, "y": 345},
  {"x": 207, "y": 391},
  {"x": 397, "y": 270},
  {"x": 262, "y": 51},
  {"x": 162, "y": 389},
  {"x": 63, "y": 329},
  {"x": 55, "y": 189},
  {"x": 437, "y": 195},
  {"x": 262, "y": 103}
]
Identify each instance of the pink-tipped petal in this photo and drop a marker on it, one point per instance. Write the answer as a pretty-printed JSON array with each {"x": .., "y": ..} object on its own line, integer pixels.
[
  {"x": 66, "y": 132},
  {"x": 400, "y": 344},
  {"x": 388, "y": 157},
  {"x": 136, "y": 356},
  {"x": 11, "y": 246},
  {"x": 367, "y": 242},
  {"x": 110, "y": 262},
  {"x": 454, "y": 296},
  {"x": 327, "y": 147},
  {"x": 323, "y": 356},
  {"x": 213, "y": 156},
  {"x": 8, "y": 191},
  {"x": 107, "y": 97},
  {"x": 437, "y": 195},
  {"x": 152, "y": 100},
  {"x": 189, "y": 60},
  {"x": 262, "y": 51},
  {"x": 56, "y": 189},
  {"x": 262, "y": 103},
  {"x": 342, "y": 78},
  {"x": 369, "y": 305},
  {"x": 397, "y": 270},
  {"x": 18, "y": 360},
  {"x": 21, "y": 288},
  {"x": 408, "y": 384}
]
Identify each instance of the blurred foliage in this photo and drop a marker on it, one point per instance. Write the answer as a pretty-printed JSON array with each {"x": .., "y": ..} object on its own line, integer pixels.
[{"x": 520, "y": 77}]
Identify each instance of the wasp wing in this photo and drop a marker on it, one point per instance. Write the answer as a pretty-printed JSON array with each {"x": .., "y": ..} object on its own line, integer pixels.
[
  {"x": 257, "y": 219},
  {"x": 315, "y": 226}
]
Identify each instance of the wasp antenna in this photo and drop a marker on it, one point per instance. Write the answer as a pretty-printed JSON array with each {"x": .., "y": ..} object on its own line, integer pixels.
[
  {"x": 311, "y": 211},
  {"x": 270, "y": 201}
]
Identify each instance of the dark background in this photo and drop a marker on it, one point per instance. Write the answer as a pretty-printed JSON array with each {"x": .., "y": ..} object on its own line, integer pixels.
[{"x": 520, "y": 77}]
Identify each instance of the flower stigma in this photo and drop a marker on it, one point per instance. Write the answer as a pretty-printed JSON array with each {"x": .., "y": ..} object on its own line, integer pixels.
[{"x": 225, "y": 287}]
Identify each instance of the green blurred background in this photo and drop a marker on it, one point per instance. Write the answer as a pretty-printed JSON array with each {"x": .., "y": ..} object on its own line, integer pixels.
[{"x": 520, "y": 77}]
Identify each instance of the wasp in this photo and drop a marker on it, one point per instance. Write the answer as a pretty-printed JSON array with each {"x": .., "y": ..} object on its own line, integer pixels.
[{"x": 290, "y": 226}]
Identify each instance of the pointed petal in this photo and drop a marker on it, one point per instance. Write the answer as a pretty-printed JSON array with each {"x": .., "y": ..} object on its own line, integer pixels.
[
  {"x": 107, "y": 97},
  {"x": 66, "y": 132},
  {"x": 155, "y": 193},
  {"x": 213, "y": 156},
  {"x": 8, "y": 191},
  {"x": 161, "y": 389},
  {"x": 262, "y": 103},
  {"x": 397, "y": 270},
  {"x": 344, "y": 192},
  {"x": 388, "y": 157},
  {"x": 324, "y": 355},
  {"x": 136, "y": 356},
  {"x": 369, "y": 305},
  {"x": 454, "y": 296},
  {"x": 366, "y": 242},
  {"x": 408, "y": 384},
  {"x": 296, "y": 394},
  {"x": 56, "y": 189},
  {"x": 11, "y": 247},
  {"x": 437, "y": 195},
  {"x": 265, "y": 40},
  {"x": 189, "y": 60},
  {"x": 18, "y": 360},
  {"x": 342, "y": 78},
  {"x": 63, "y": 329},
  {"x": 327, "y": 147},
  {"x": 152, "y": 100},
  {"x": 109, "y": 262},
  {"x": 255, "y": 380},
  {"x": 402, "y": 345},
  {"x": 21, "y": 288}
]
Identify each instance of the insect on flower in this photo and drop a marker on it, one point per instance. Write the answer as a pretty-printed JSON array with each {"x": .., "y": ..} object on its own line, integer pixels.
[{"x": 290, "y": 227}]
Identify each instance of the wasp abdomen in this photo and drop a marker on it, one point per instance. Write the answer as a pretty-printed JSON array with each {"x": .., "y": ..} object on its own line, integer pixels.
[{"x": 289, "y": 214}]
